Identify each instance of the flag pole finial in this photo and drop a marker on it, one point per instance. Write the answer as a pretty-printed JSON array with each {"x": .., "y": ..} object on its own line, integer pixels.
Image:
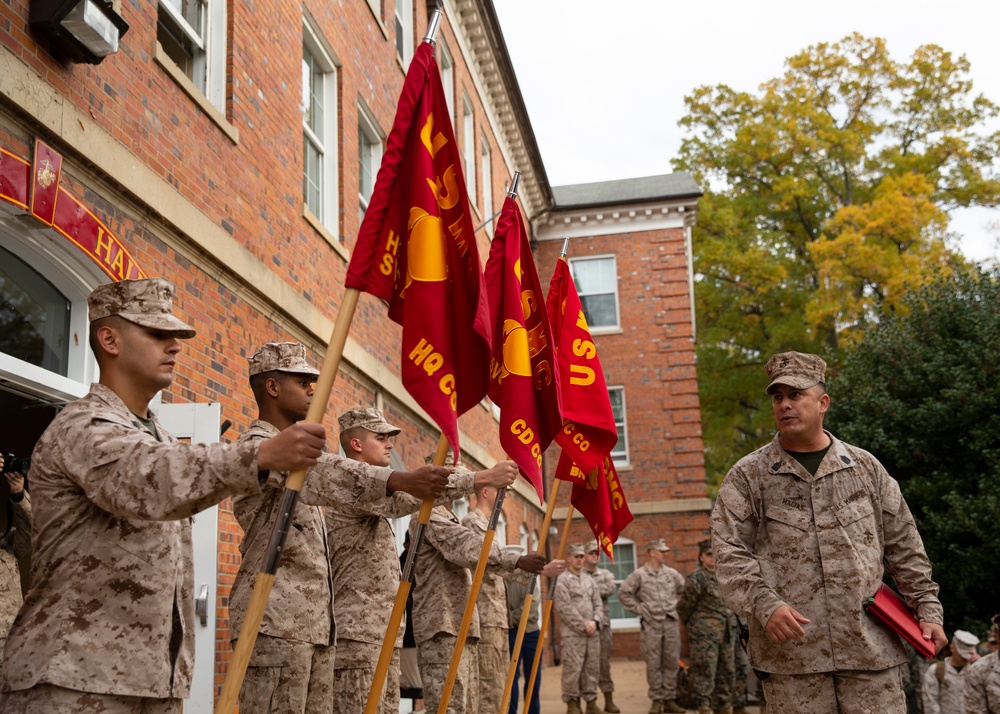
[
  {"x": 433, "y": 26},
  {"x": 565, "y": 247},
  {"x": 512, "y": 191}
]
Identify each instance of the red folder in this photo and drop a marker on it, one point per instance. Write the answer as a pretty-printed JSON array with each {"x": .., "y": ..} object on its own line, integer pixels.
[{"x": 889, "y": 607}]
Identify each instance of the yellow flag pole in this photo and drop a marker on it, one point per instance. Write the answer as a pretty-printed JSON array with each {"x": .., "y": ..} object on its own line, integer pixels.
[
  {"x": 405, "y": 583},
  {"x": 293, "y": 485},
  {"x": 470, "y": 603},
  {"x": 546, "y": 614},
  {"x": 522, "y": 626}
]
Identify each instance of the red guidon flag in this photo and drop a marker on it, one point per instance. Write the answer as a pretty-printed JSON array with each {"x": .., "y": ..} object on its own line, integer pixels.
[
  {"x": 522, "y": 371},
  {"x": 588, "y": 432},
  {"x": 599, "y": 498},
  {"x": 416, "y": 250}
]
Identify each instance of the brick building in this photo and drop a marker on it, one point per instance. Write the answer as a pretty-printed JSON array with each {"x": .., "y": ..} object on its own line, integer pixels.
[{"x": 231, "y": 148}]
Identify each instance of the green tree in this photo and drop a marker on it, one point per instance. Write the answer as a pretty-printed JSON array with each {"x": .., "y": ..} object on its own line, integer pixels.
[
  {"x": 827, "y": 199},
  {"x": 921, "y": 392}
]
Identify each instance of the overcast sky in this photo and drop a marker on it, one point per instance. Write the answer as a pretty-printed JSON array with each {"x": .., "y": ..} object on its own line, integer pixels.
[{"x": 604, "y": 82}]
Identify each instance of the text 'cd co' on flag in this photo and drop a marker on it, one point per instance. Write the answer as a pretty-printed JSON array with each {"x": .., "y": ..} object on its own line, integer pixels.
[
  {"x": 522, "y": 371},
  {"x": 416, "y": 250},
  {"x": 599, "y": 497},
  {"x": 588, "y": 432}
]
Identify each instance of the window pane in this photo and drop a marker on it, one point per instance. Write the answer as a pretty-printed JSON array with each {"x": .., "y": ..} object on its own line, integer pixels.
[
  {"x": 313, "y": 183},
  {"x": 624, "y": 564},
  {"x": 600, "y": 310},
  {"x": 594, "y": 276},
  {"x": 617, "y": 404},
  {"x": 365, "y": 152},
  {"x": 34, "y": 316}
]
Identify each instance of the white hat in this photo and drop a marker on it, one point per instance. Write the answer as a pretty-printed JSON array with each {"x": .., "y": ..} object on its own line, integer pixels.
[{"x": 965, "y": 643}]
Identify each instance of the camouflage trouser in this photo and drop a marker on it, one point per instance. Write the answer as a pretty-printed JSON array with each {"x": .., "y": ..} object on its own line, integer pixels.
[
  {"x": 712, "y": 663},
  {"x": 604, "y": 682},
  {"x": 741, "y": 673},
  {"x": 352, "y": 678},
  {"x": 434, "y": 658},
  {"x": 581, "y": 661},
  {"x": 494, "y": 657},
  {"x": 287, "y": 677},
  {"x": 836, "y": 692},
  {"x": 661, "y": 644},
  {"x": 49, "y": 699}
]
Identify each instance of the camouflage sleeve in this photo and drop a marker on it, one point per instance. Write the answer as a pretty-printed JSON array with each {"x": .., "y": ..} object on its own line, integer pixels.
[
  {"x": 905, "y": 557},
  {"x": 929, "y": 690},
  {"x": 734, "y": 535},
  {"x": 401, "y": 504},
  {"x": 689, "y": 598},
  {"x": 568, "y": 614},
  {"x": 337, "y": 479},
  {"x": 978, "y": 687},
  {"x": 456, "y": 543},
  {"x": 129, "y": 473},
  {"x": 605, "y": 583},
  {"x": 501, "y": 561},
  {"x": 21, "y": 522},
  {"x": 595, "y": 598},
  {"x": 627, "y": 595}
]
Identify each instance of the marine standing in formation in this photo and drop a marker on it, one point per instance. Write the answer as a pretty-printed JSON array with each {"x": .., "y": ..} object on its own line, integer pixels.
[
  {"x": 804, "y": 529},
  {"x": 108, "y": 624},
  {"x": 579, "y": 608},
  {"x": 652, "y": 592},
  {"x": 711, "y": 636},
  {"x": 605, "y": 583},
  {"x": 291, "y": 668}
]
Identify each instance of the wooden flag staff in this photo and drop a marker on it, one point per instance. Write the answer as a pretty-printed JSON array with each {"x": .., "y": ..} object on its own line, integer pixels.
[
  {"x": 546, "y": 614},
  {"x": 522, "y": 626},
  {"x": 293, "y": 485}
]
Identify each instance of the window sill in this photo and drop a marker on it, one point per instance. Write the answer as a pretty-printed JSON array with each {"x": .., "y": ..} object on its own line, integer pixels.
[
  {"x": 613, "y": 330},
  {"x": 182, "y": 80},
  {"x": 625, "y": 466},
  {"x": 338, "y": 247}
]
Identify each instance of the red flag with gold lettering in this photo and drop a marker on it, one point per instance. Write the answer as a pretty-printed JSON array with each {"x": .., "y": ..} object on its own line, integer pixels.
[
  {"x": 599, "y": 498},
  {"x": 416, "y": 250},
  {"x": 522, "y": 371},
  {"x": 588, "y": 433}
]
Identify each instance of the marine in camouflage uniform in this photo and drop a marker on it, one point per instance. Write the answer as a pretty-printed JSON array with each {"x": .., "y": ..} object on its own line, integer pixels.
[
  {"x": 364, "y": 565},
  {"x": 802, "y": 528},
  {"x": 291, "y": 668},
  {"x": 711, "y": 634},
  {"x": 943, "y": 683},
  {"x": 109, "y": 622},
  {"x": 982, "y": 685},
  {"x": 605, "y": 582},
  {"x": 579, "y": 608},
  {"x": 442, "y": 583},
  {"x": 652, "y": 592},
  {"x": 16, "y": 544}
]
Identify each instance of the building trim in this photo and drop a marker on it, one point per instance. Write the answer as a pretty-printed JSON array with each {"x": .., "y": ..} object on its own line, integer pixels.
[
  {"x": 589, "y": 222},
  {"x": 656, "y": 508}
]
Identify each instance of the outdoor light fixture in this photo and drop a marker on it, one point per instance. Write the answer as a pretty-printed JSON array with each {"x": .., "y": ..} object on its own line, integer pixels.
[{"x": 79, "y": 30}]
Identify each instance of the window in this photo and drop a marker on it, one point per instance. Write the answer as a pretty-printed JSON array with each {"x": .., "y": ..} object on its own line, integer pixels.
[
  {"x": 469, "y": 148},
  {"x": 597, "y": 283},
  {"x": 369, "y": 156},
  {"x": 319, "y": 130},
  {"x": 404, "y": 31},
  {"x": 448, "y": 82},
  {"x": 624, "y": 552},
  {"x": 487, "y": 169},
  {"x": 192, "y": 34},
  {"x": 523, "y": 540},
  {"x": 620, "y": 453}
]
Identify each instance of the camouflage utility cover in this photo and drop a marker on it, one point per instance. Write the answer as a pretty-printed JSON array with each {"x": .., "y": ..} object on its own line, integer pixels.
[
  {"x": 281, "y": 357},
  {"x": 368, "y": 418},
  {"x": 146, "y": 302}
]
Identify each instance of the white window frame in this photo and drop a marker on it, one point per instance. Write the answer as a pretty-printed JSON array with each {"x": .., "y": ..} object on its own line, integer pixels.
[
  {"x": 620, "y": 454},
  {"x": 447, "y": 65},
  {"x": 600, "y": 329},
  {"x": 208, "y": 70},
  {"x": 469, "y": 147},
  {"x": 621, "y": 623},
  {"x": 368, "y": 129},
  {"x": 327, "y": 212},
  {"x": 523, "y": 537},
  {"x": 404, "y": 31},
  {"x": 486, "y": 169}
]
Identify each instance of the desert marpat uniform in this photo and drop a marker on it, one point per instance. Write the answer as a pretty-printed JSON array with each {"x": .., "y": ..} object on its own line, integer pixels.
[
  {"x": 711, "y": 638},
  {"x": 111, "y": 607},
  {"x": 943, "y": 693},
  {"x": 653, "y": 596},
  {"x": 441, "y": 589},
  {"x": 605, "y": 583},
  {"x": 365, "y": 570},
  {"x": 817, "y": 543},
  {"x": 16, "y": 545},
  {"x": 493, "y": 650},
  {"x": 577, "y": 602},
  {"x": 293, "y": 656},
  {"x": 982, "y": 685}
]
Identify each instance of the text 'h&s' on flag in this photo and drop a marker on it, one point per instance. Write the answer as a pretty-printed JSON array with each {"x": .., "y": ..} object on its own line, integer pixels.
[{"x": 416, "y": 250}]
